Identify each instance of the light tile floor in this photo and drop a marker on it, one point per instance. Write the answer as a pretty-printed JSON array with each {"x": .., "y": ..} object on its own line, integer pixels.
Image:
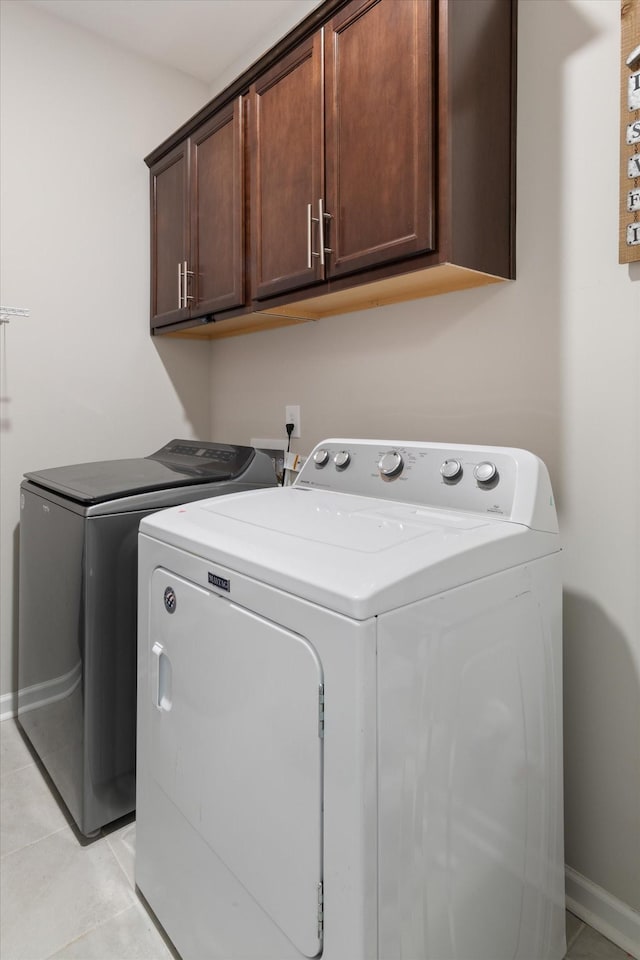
[{"x": 62, "y": 899}]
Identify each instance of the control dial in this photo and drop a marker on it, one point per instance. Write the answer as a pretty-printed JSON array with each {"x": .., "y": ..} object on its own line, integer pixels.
[
  {"x": 342, "y": 459},
  {"x": 390, "y": 464},
  {"x": 451, "y": 469},
  {"x": 485, "y": 472},
  {"x": 321, "y": 457}
]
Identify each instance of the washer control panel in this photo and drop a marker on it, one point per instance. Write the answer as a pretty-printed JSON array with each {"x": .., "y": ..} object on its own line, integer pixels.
[{"x": 504, "y": 482}]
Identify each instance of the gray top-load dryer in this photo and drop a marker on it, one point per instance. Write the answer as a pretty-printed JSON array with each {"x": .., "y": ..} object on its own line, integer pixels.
[{"x": 78, "y": 604}]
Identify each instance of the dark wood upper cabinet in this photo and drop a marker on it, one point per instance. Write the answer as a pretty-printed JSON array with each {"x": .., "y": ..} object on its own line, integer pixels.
[
  {"x": 365, "y": 85},
  {"x": 379, "y": 134},
  {"x": 197, "y": 223},
  {"x": 287, "y": 171},
  {"x": 378, "y": 166},
  {"x": 217, "y": 213},
  {"x": 169, "y": 235}
]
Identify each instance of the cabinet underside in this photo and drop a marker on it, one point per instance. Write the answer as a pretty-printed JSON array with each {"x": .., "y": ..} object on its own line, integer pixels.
[{"x": 430, "y": 282}]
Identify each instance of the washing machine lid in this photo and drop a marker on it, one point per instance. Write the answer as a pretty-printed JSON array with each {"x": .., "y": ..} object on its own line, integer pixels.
[
  {"x": 356, "y": 555},
  {"x": 179, "y": 463}
]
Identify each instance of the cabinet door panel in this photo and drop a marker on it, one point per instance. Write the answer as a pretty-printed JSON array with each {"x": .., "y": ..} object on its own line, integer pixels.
[
  {"x": 217, "y": 213},
  {"x": 379, "y": 132},
  {"x": 169, "y": 234},
  {"x": 287, "y": 170}
]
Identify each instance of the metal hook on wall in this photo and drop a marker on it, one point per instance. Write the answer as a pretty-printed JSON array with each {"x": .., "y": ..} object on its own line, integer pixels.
[{"x": 7, "y": 312}]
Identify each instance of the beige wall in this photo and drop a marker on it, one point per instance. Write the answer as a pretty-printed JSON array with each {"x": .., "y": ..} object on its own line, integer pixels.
[
  {"x": 81, "y": 379},
  {"x": 550, "y": 362}
]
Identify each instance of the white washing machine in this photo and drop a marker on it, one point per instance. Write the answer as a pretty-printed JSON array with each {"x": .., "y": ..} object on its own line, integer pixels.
[{"x": 349, "y": 712}]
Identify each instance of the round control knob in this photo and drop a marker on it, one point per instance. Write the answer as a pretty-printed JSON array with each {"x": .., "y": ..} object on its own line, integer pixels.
[
  {"x": 485, "y": 472},
  {"x": 321, "y": 457},
  {"x": 342, "y": 459},
  {"x": 390, "y": 464},
  {"x": 451, "y": 469}
]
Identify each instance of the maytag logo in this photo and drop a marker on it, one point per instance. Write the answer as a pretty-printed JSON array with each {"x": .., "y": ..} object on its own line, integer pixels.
[{"x": 221, "y": 582}]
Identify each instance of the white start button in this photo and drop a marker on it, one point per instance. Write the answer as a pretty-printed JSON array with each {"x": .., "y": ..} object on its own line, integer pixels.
[
  {"x": 485, "y": 472},
  {"x": 451, "y": 469}
]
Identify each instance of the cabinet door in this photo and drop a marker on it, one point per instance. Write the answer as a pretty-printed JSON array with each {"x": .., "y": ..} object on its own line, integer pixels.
[
  {"x": 169, "y": 235},
  {"x": 216, "y": 277},
  {"x": 379, "y": 133},
  {"x": 287, "y": 154}
]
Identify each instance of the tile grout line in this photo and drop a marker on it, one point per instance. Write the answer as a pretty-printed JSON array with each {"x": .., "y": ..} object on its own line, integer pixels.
[
  {"x": 32, "y": 843},
  {"x": 131, "y": 890},
  {"x": 7, "y": 773},
  {"x": 90, "y": 930},
  {"x": 122, "y": 869},
  {"x": 575, "y": 936}
]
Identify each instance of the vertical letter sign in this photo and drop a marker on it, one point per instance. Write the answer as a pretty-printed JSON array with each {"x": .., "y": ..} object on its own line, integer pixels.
[{"x": 630, "y": 132}]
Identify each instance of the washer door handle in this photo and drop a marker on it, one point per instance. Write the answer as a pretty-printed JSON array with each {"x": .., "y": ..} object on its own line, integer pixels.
[{"x": 161, "y": 678}]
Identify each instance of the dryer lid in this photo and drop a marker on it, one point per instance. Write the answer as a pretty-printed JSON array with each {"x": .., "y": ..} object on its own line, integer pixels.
[
  {"x": 355, "y": 555},
  {"x": 179, "y": 463}
]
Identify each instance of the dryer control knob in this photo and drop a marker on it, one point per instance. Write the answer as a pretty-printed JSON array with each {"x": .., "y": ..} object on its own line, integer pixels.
[
  {"x": 485, "y": 472},
  {"x": 451, "y": 469},
  {"x": 342, "y": 459},
  {"x": 321, "y": 457},
  {"x": 390, "y": 464}
]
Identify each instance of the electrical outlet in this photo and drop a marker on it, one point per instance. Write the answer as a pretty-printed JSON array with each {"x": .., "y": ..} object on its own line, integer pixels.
[{"x": 292, "y": 415}]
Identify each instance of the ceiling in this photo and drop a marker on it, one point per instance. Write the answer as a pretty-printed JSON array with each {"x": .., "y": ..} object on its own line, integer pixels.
[{"x": 203, "y": 38}]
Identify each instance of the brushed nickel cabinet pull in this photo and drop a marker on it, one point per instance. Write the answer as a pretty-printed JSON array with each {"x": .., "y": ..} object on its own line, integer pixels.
[
  {"x": 187, "y": 273},
  {"x": 310, "y": 252},
  {"x": 322, "y": 216}
]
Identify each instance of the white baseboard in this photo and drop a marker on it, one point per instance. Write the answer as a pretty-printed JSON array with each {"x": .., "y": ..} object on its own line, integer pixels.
[
  {"x": 50, "y": 691},
  {"x": 41, "y": 694},
  {"x": 609, "y": 916},
  {"x": 8, "y": 706}
]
